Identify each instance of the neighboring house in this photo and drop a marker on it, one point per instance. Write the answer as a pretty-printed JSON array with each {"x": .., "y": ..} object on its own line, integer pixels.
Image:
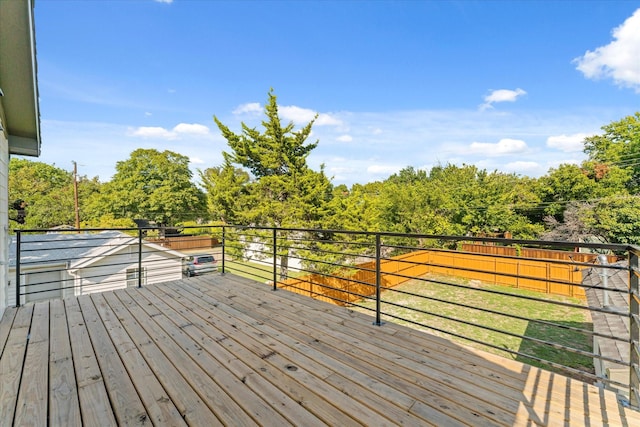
[
  {"x": 19, "y": 109},
  {"x": 614, "y": 322},
  {"x": 67, "y": 264}
]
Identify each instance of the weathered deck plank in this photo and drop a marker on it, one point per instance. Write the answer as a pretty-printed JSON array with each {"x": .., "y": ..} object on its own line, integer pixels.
[
  {"x": 191, "y": 407},
  {"x": 92, "y": 394},
  {"x": 221, "y": 350},
  {"x": 5, "y": 326},
  {"x": 160, "y": 408},
  {"x": 64, "y": 408},
  {"x": 250, "y": 369},
  {"x": 456, "y": 401},
  {"x": 11, "y": 364},
  {"x": 33, "y": 395}
]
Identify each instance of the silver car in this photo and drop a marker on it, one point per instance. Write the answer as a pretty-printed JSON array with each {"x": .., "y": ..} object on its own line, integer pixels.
[{"x": 199, "y": 264}]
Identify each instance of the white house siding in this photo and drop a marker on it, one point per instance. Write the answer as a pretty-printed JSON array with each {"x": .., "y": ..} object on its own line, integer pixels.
[
  {"x": 4, "y": 219},
  {"x": 44, "y": 281},
  {"x": 110, "y": 272}
]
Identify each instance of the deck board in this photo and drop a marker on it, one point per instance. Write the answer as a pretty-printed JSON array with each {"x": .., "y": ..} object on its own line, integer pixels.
[
  {"x": 222, "y": 350},
  {"x": 64, "y": 407},
  {"x": 33, "y": 394},
  {"x": 404, "y": 375},
  {"x": 11, "y": 364},
  {"x": 161, "y": 409}
]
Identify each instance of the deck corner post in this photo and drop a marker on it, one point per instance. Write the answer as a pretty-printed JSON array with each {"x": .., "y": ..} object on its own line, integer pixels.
[
  {"x": 634, "y": 326},
  {"x": 224, "y": 228},
  {"x": 378, "y": 321},
  {"x": 18, "y": 249},
  {"x": 275, "y": 257},
  {"x": 140, "y": 233}
]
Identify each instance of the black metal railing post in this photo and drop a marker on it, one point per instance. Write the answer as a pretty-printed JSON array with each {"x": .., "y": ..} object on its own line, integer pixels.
[
  {"x": 275, "y": 257},
  {"x": 378, "y": 281},
  {"x": 224, "y": 236},
  {"x": 634, "y": 326},
  {"x": 140, "y": 257},
  {"x": 18, "y": 247}
]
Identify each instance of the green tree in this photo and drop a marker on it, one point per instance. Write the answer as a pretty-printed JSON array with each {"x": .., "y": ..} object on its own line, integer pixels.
[
  {"x": 619, "y": 145},
  {"x": 226, "y": 188},
  {"x": 280, "y": 190},
  {"x": 152, "y": 185},
  {"x": 48, "y": 192},
  {"x": 615, "y": 218}
]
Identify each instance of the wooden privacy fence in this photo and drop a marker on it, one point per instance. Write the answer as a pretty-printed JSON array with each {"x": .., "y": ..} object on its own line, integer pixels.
[
  {"x": 534, "y": 253},
  {"x": 534, "y": 275},
  {"x": 187, "y": 242}
]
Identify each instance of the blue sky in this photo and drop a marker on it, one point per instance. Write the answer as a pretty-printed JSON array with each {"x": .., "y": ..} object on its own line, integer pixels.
[{"x": 505, "y": 85}]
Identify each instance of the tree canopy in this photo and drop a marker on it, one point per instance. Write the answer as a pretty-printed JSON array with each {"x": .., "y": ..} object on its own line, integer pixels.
[
  {"x": 47, "y": 191},
  {"x": 152, "y": 185},
  {"x": 265, "y": 179}
]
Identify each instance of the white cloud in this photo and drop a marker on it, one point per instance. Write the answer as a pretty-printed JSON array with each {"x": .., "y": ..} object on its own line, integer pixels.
[
  {"x": 301, "y": 116},
  {"x": 567, "y": 143},
  {"x": 249, "y": 108},
  {"x": 191, "y": 128},
  {"x": 152, "y": 132},
  {"x": 196, "y": 160},
  {"x": 345, "y": 138},
  {"x": 148, "y": 114},
  {"x": 156, "y": 132},
  {"x": 376, "y": 131},
  {"x": 501, "y": 95},
  {"x": 503, "y": 147},
  {"x": 620, "y": 59},
  {"x": 164, "y": 1}
]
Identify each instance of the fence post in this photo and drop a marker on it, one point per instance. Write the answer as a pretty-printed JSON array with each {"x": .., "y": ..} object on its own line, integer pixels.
[
  {"x": 224, "y": 228},
  {"x": 18, "y": 248},
  {"x": 634, "y": 326},
  {"x": 139, "y": 257},
  {"x": 378, "y": 322},
  {"x": 275, "y": 264}
]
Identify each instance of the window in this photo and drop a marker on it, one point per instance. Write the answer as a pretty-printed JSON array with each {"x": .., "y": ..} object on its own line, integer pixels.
[{"x": 132, "y": 277}]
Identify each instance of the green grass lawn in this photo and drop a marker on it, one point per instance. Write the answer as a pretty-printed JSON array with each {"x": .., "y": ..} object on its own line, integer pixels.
[
  {"x": 253, "y": 270},
  {"x": 564, "y": 316}
]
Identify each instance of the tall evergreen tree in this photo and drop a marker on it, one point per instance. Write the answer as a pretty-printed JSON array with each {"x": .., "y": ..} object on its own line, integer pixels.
[{"x": 280, "y": 190}]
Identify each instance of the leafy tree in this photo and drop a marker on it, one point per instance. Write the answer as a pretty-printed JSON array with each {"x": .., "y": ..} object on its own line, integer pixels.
[
  {"x": 573, "y": 227},
  {"x": 265, "y": 180},
  {"x": 152, "y": 185},
  {"x": 572, "y": 183},
  {"x": 616, "y": 218},
  {"x": 619, "y": 146},
  {"x": 48, "y": 193},
  {"x": 226, "y": 188}
]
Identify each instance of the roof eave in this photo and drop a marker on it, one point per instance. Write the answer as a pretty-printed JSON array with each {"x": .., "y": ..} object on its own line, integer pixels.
[{"x": 19, "y": 106}]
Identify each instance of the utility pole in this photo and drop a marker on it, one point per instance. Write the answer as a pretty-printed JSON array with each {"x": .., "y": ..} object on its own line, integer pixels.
[{"x": 75, "y": 194}]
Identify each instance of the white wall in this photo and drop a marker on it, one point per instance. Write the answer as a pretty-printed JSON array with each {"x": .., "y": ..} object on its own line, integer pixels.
[
  {"x": 111, "y": 272},
  {"x": 4, "y": 219}
]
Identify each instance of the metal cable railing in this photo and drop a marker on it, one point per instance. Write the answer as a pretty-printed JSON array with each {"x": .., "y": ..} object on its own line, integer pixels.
[{"x": 551, "y": 310}]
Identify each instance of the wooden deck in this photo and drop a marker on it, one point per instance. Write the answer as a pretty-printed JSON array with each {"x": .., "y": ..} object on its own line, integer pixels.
[{"x": 221, "y": 350}]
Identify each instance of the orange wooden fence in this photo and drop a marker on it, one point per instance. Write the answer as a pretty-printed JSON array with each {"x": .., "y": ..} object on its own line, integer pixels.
[{"x": 536, "y": 275}]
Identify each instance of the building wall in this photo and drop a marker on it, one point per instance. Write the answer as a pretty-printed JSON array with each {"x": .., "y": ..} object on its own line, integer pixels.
[
  {"x": 4, "y": 218},
  {"x": 111, "y": 272}
]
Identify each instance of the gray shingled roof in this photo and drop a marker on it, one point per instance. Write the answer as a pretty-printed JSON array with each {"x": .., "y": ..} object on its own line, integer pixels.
[
  {"x": 616, "y": 321},
  {"x": 65, "y": 247}
]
